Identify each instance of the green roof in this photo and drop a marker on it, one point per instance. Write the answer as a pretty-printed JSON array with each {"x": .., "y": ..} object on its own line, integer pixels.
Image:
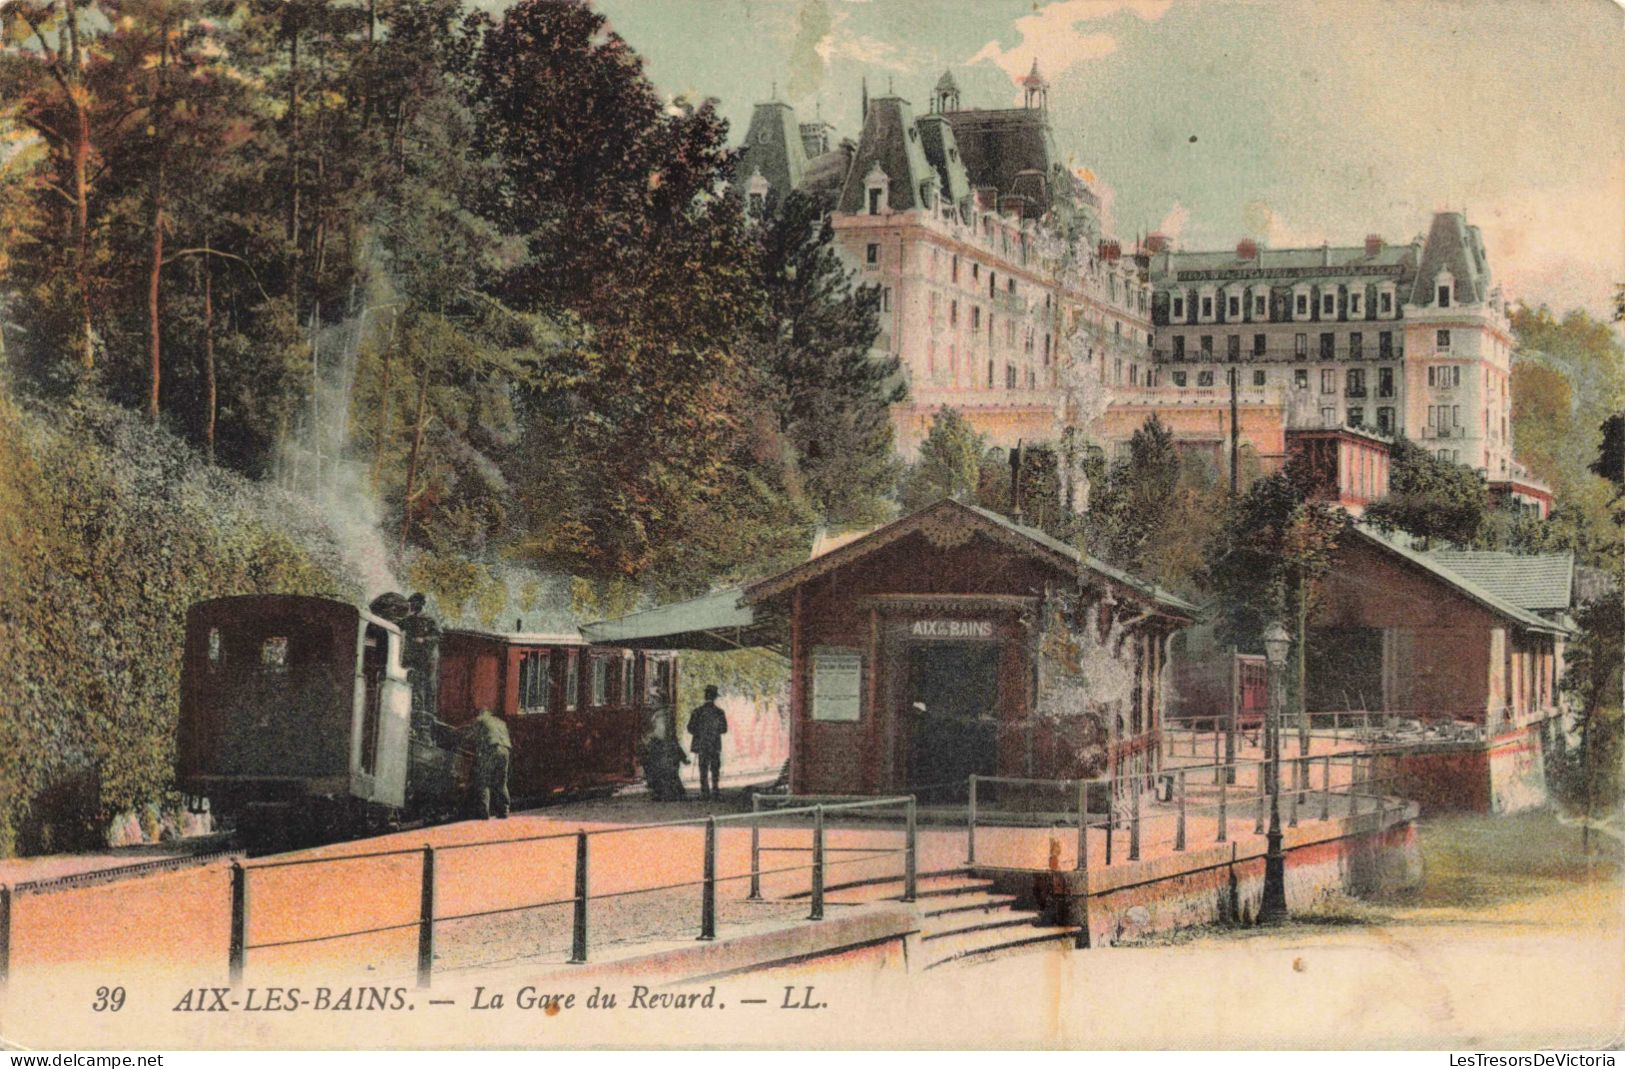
[
  {"x": 714, "y": 621},
  {"x": 1542, "y": 582},
  {"x": 1487, "y": 598}
]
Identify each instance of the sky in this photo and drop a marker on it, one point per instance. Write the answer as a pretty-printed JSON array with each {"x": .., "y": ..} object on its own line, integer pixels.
[{"x": 1289, "y": 121}]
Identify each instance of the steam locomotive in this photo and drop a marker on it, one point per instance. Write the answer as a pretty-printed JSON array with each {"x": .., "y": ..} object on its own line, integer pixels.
[{"x": 300, "y": 723}]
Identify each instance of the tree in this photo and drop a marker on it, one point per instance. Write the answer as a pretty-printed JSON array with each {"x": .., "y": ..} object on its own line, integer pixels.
[
  {"x": 1593, "y": 677},
  {"x": 949, "y": 463},
  {"x": 1429, "y": 497},
  {"x": 816, "y": 368}
]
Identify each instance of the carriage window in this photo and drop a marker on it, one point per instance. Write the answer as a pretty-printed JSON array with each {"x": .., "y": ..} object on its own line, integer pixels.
[
  {"x": 572, "y": 681},
  {"x": 214, "y": 645},
  {"x": 626, "y": 679},
  {"x": 274, "y": 652},
  {"x": 535, "y": 683},
  {"x": 600, "y": 681}
]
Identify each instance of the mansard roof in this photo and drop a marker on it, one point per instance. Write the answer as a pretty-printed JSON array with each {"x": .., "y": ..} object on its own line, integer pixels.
[
  {"x": 999, "y": 144},
  {"x": 891, "y": 141},
  {"x": 942, "y": 151},
  {"x": 773, "y": 149},
  {"x": 1322, "y": 265},
  {"x": 1452, "y": 246}
]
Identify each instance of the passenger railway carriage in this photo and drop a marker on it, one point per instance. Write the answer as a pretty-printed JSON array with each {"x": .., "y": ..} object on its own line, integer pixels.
[{"x": 299, "y": 720}]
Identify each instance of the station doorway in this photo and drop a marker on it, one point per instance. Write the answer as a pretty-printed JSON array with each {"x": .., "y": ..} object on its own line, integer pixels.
[{"x": 952, "y": 704}]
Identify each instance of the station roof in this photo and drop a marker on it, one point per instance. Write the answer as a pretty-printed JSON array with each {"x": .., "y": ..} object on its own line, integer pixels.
[
  {"x": 717, "y": 621},
  {"x": 1495, "y": 601},
  {"x": 1540, "y": 582}
]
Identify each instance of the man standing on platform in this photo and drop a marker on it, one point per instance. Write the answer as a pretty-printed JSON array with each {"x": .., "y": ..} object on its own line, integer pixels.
[
  {"x": 707, "y": 724},
  {"x": 492, "y": 749}
]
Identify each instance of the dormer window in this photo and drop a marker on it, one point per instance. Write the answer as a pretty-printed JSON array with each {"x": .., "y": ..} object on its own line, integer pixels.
[
  {"x": 876, "y": 185},
  {"x": 1444, "y": 287}
]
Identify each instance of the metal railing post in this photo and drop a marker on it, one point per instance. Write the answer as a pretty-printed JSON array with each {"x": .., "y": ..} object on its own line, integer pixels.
[
  {"x": 578, "y": 925},
  {"x": 1218, "y": 769},
  {"x": 1297, "y": 796},
  {"x": 5, "y": 932},
  {"x": 1111, "y": 814},
  {"x": 755, "y": 850},
  {"x": 426, "y": 920},
  {"x": 1134, "y": 821},
  {"x": 1083, "y": 824},
  {"x": 1179, "y": 829},
  {"x": 970, "y": 825},
  {"x": 708, "y": 896},
  {"x": 1258, "y": 822},
  {"x": 1326, "y": 788},
  {"x": 817, "y": 913},
  {"x": 910, "y": 845},
  {"x": 238, "y": 954},
  {"x": 1224, "y": 809}
]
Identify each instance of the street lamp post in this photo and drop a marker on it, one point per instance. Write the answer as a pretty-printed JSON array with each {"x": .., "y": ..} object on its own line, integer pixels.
[{"x": 1273, "y": 909}]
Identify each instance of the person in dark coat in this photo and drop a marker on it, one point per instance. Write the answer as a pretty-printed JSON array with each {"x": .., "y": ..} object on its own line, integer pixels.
[
  {"x": 663, "y": 759},
  {"x": 492, "y": 749},
  {"x": 706, "y": 725},
  {"x": 420, "y": 655}
]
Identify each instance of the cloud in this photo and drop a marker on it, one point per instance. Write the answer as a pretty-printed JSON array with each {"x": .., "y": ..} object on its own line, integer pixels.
[
  {"x": 842, "y": 42},
  {"x": 1053, "y": 37}
]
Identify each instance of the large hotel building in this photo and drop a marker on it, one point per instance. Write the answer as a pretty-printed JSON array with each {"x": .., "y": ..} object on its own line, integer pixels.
[{"x": 1002, "y": 298}]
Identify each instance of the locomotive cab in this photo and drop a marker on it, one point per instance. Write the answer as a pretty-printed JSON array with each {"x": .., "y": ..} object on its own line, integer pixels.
[{"x": 294, "y": 710}]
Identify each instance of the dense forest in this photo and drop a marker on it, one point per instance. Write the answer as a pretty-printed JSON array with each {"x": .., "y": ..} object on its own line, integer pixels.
[{"x": 324, "y": 295}]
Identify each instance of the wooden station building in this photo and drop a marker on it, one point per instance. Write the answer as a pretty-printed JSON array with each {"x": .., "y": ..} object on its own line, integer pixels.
[{"x": 944, "y": 644}]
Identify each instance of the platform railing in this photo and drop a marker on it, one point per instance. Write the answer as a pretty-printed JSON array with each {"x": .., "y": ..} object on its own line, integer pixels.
[
  {"x": 580, "y": 933},
  {"x": 1237, "y": 787}
]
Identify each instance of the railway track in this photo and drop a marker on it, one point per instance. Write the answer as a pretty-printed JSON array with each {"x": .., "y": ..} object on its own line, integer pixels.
[{"x": 117, "y": 873}]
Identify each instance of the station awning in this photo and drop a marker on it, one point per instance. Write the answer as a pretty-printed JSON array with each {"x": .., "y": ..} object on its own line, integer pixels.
[{"x": 717, "y": 621}]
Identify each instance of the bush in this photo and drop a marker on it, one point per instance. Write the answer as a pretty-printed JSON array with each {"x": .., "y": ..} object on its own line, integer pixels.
[{"x": 109, "y": 529}]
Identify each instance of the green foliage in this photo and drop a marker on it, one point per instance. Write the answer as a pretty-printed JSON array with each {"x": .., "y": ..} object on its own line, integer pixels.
[
  {"x": 949, "y": 463},
  {"x": 109, "y": 530},
  {"x": 1431, "y": 498},
  {"x": 1264, "y": 562},
  {"x": 1593, "y": 676}
]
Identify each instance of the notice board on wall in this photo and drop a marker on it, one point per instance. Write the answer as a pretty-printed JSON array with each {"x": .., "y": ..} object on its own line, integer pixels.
[{"x": 837, "y": 683}]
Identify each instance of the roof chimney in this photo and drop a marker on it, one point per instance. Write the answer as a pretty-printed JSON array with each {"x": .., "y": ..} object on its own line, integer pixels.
[
  {"x": 1246, "y": 249},
  {"x": 1110, "y": 250},
  {"x": 987, "y": 197},
  {"x": 1373, "y": 245},
  {"x": 1156, "y": 242}
]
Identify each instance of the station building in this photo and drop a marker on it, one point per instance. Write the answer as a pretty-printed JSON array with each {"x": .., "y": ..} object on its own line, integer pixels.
[{"x": 949, "y": 642}]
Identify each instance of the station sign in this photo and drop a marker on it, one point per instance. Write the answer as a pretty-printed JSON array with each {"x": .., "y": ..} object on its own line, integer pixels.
[{"x": 951, "y": 629}]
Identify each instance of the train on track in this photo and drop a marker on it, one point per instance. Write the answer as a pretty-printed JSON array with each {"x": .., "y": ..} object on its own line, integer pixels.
[{"x": 301, "y": 722}]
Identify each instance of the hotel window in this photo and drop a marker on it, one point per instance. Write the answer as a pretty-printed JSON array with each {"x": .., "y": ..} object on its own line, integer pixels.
[
  {"x": 990, "y": 374},
  {"x": 1300, "y": 378},
  {"x": 1258, "y": 345},
  {"x": 1328, "y": 304},
  {"x": 1455, "y": 415},
  {"x": 1356, "y": 299},
  {"x": 875, "y": 195},
  {"x": 1010, "y": 332},
  {"x": 873, "y": 254},
  {"x": 1204, "y": 378},
  {"x": 1328, "y": 380},
  {"x": 1385, "y": 345},
  {"x": 1207, "y": 347},
  {"x": 1179, "y": 346},
  {"x": 1385, "y": 420},
  {"x": 1046, "y": 350},
  {"x": 975, "y": 319},
  {"x": 1301, "y": 307},
  {"x": 1441, "y": 341},
  {"x": 1385, "y": 382},
  {"x": 1009, "y": 376},
  {"x": 1444, "y": 296},
  {"x": 1179, "y": 309},
  {"x": 1234, "y": 308},
  {"x": 1328, "y": 417},
  {"x": 1259, "y": 377},
  {"x": 1117, "y": 371},
  {"x": 1010, "y": 286},
  {"x": 1326, "y": 346},
  {"x": 1207, "y": 307},
  {"x": 1356, "y": 382},
  {"x": 1385, "y": 303},
  {"x": 953, "y": 313},
  {"x": 1356, "y": 345},
  {"x": 1179, "y": 378},
  {"x": 975, "y": 272},
  {"x": 954, "y": 270},
  {"x": 992, "y": 283},
  {"x": 1300, "y": 345},
  {"x": 885, "y": 299},
  {"x": 1134, "y": 375},
  {"x": 1260, "y": 306},
  {"x": 1233, "y": 347},
  {"x": 1356, "y": 417}
]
